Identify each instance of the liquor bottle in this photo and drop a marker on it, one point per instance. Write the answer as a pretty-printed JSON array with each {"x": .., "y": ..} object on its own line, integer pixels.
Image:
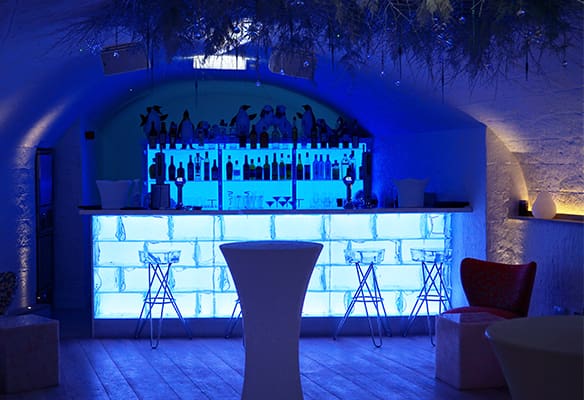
[
  {"x": 162, "y": 135},
  {"x": 236, "y": 171},
  {"x": 276, "y": 136},
  {"x": 245, "y": 169},
  {"x": 198, "y": 167},
  {"x": 160, "y": 167},
  {"x": 352, "y": 164},
  {"x": 321, "y": 168},
  {"x": 152, "y": 137},
  {"x": 288, "y": 168},
  {"x": 152, "y": 169},
  {"x": 264, "y": 139},
  {"x": 251, "y": 175},
  {"x": 307, "y": 168},
  {"x": 180, "y": 171},
  {"x": 345, "y": 137},
  {"x": 259, "y": 171},
  {"x": 172, "y": 136},
  {"x": 214, "y": 171},
  {"x": 313, "y": 137},
  {"x": 299, "y": 168},
  {"x": 206, "y": 167},
  {"x": 274, "y": 168},
  {"x": 201, "y": 136},
  {"x": 327, "y": 168},
  {"x": 315, "y": 169},
  {"x": 190, "y": 169},
  {"x": 171, "y": 170},
  {"x": 324, "y": 138},
  {"x": 229, "y": 169},
  {"x": 267, "y": 169},
  {"x": 282, "y": 168},
  {"x": 253, "y": 138},
  {"x": 344, "y": 165},
  {"x": 336, "y": 171},
  {"x": 294, "y": 133},
  {"x": 333, "y": 140},
  {"x": 351, "y": 172},
  {"x": 242, "y": 141}
]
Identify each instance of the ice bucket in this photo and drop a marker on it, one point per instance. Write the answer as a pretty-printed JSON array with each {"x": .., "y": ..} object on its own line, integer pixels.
[
  {"x": 114, "y": 194},
  {"x": 410, "y": 192}
]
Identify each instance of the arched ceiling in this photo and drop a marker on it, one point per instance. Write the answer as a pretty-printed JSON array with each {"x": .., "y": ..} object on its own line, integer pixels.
[{"x": 539, "y": 118}]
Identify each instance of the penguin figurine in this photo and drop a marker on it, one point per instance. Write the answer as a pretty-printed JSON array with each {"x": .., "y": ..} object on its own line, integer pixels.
[
  {"x": 186, "y": 130},
  {"x": 281, "y": 122},
  {"x": 308, "y": 121},
  {"x": 266, "y": 119},
  {"x": 241, "y": 121},
  {"x": 153, "y": 115}
]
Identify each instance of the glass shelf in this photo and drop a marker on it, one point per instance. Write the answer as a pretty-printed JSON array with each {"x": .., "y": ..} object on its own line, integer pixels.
[{"x": 291, "y": 190}]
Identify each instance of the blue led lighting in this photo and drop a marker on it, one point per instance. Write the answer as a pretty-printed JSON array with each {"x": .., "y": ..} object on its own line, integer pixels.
[{"x": 201, "y": 281}]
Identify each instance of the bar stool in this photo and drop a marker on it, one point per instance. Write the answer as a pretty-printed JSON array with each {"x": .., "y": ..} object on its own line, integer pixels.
[
  {"x": 234, "y": 319},
  {"x": 433, "y": 287},
  {"x": 159, "y": 293},
  {"x": 367, "y": 292}
]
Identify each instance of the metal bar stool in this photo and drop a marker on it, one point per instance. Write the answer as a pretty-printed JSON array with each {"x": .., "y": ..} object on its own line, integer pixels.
[
  {"x": 434, "y": 288},
  {"x": 367, "y": 292},
  {"x": 159, "y": 293},
  {"x": 233, "y": 320}
]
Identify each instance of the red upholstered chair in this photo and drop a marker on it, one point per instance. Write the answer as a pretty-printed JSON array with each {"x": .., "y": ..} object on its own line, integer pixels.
[{"x": 500, "y": 289}]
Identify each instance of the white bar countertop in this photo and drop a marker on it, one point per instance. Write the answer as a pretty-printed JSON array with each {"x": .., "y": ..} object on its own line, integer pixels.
[{"x": 267, "y": 211}]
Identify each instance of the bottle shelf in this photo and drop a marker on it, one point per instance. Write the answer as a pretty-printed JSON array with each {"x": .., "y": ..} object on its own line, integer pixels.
[{"x": 238, "y": 171}]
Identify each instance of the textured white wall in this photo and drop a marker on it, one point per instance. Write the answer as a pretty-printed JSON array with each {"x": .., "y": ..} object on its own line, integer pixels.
[{"x": 556, "y": 246}]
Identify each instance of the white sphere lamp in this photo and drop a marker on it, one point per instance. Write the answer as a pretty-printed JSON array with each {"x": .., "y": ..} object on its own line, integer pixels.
[{"x": 544, "y": 206}]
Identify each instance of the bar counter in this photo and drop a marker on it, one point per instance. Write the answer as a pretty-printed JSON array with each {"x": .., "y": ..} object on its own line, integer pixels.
[{"x": 201, "y": 281}]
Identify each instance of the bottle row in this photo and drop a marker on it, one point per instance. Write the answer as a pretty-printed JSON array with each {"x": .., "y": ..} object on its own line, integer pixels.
[
  {"x": 187, "y": 136},
  {"x": 266, "y": 166}
]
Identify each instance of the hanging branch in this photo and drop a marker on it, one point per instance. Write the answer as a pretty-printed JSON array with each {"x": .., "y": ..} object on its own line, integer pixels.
[{"x": 485, "y": 36}]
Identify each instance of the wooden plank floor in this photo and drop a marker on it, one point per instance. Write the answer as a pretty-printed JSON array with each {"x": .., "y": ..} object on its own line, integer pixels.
[{"x": 349, "y": 368}]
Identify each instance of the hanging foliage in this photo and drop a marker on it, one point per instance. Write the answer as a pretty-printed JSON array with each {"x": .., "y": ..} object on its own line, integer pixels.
[{"x": 478, "y": 38}]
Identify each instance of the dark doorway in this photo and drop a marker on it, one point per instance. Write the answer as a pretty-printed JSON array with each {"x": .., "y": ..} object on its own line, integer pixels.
[{"x": 44, "y": 225}]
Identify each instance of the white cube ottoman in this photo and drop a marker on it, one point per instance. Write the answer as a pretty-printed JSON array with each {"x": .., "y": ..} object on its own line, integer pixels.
[
  {"x": 29, "y": 353},
  {"x": 464, "y": 356}
]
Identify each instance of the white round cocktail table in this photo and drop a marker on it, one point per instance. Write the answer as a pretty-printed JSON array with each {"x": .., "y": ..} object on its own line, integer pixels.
[
  {"x": 271, "y": 278},
  {"x": 541, "y": 357}
]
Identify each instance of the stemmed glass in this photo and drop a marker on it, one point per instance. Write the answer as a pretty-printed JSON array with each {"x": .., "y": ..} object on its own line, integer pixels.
[
  {"x": 287, "y": 199},
  {"x": 276, "y": 199}
]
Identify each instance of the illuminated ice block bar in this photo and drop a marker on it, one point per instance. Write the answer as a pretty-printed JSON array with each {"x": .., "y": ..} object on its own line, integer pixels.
[{"x": 201, "y": 281}]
